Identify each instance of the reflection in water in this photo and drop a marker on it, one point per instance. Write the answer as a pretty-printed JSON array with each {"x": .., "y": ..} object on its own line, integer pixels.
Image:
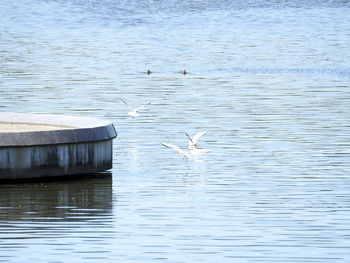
[
  {"x": 81, "y": 198},
  {"x": 55, "y": 212}
]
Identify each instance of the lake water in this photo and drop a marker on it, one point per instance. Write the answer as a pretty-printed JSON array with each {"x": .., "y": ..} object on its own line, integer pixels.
[{"x": 268, "y": 80}]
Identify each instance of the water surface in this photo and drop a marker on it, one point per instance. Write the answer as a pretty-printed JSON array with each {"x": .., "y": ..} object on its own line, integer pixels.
[{"x": 268, "y": 81}]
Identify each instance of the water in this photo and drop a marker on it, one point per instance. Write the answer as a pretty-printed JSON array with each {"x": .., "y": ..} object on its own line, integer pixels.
[{"x": 269, "y": 82}]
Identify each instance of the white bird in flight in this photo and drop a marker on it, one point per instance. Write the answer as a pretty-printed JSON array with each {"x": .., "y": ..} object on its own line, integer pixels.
[
  {"x": 192, "y": 141},
  {"x": 186, "y": 154},
  {"x": 134, "y": 112},
  {"x": 192, "y": 146}
]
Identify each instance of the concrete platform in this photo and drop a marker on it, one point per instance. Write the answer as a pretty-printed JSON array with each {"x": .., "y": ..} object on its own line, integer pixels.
[{"x": 42, "y": 145}]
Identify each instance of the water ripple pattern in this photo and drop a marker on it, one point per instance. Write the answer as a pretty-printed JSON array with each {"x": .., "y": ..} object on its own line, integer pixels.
[{"x": 267, "y": 80}]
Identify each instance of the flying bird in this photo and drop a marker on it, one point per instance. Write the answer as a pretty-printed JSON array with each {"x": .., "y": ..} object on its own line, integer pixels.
[
  {"x": 186, "y": 154},
  {"x": 134, "y": 112},
  {"x": 192, "y": 141},
  {"x": 189, "y": 154},
  {"x": 192, "y": 146}
]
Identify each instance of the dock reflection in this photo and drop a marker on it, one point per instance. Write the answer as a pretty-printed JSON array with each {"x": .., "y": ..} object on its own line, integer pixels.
[{"x": 83, "y": 198}]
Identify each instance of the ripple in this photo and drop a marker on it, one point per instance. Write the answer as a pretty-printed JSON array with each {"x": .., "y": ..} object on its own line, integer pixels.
[{"x": 269, "y": 83}]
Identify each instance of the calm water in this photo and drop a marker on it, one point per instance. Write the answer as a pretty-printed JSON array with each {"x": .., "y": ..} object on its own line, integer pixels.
[{"x": 268, "y": 80}]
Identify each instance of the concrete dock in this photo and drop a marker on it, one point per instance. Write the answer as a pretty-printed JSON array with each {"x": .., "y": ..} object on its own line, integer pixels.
[{"x": 43, "y": 145}]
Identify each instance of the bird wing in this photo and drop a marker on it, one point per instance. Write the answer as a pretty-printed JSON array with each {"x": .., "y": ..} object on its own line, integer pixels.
[
  {"x": 188, "y": 136},
  {"x": 126, "y": 104},
  {"x": 197, "y": 136},
  {"x": 177, "y": 149},
  {"x": 141, "y": 107},
  {"x": 190, "y": 141}
]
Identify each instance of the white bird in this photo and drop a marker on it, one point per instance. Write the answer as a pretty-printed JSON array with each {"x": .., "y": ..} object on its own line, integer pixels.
[
  {"x": 193, "y": 151},
  {"x": 134, "y": 112},
  {"x": 186, "y": 154},
  {"x": 192, "y": 141}
]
